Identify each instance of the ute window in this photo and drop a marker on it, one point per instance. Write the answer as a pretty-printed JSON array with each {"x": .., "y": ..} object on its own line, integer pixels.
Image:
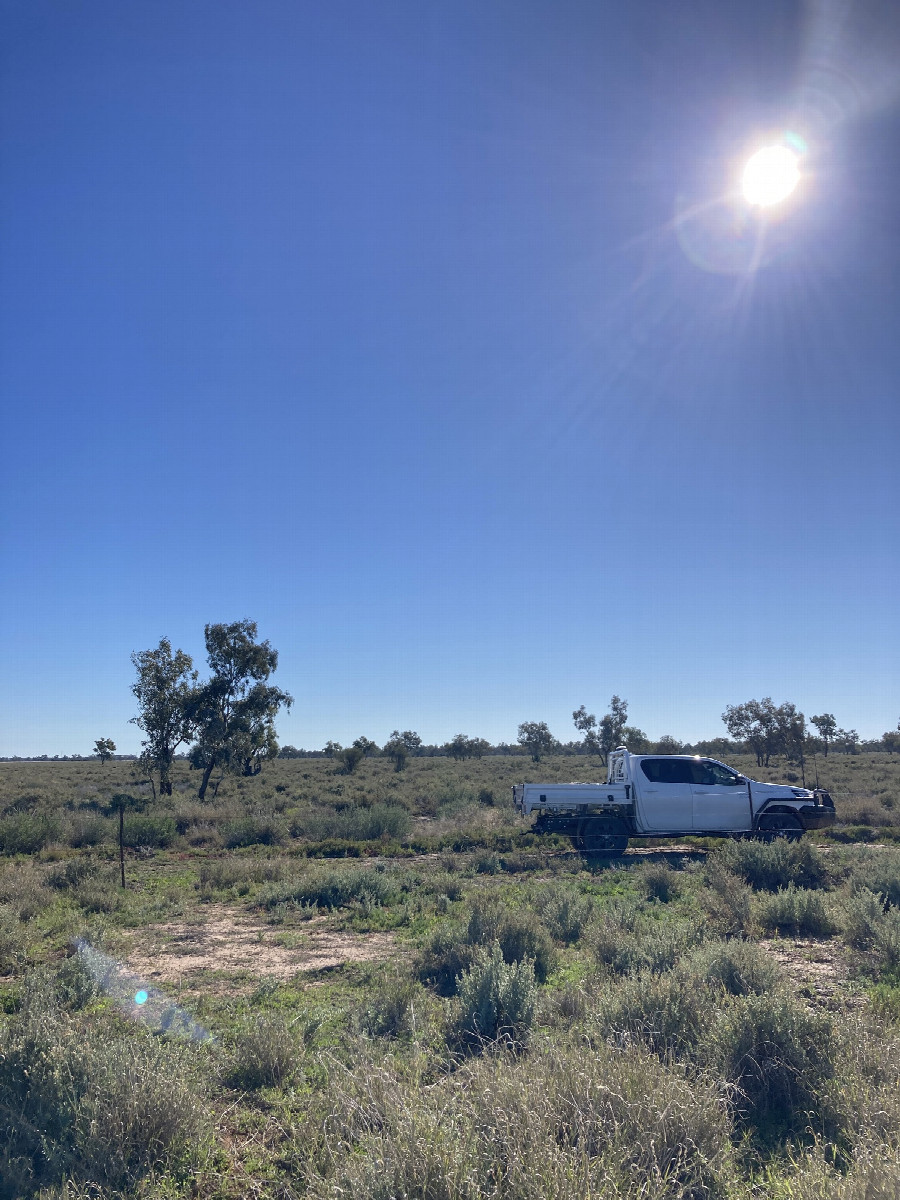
[
  {"x": 713, "y": 774},
  {"x": 668, "y": 770}
]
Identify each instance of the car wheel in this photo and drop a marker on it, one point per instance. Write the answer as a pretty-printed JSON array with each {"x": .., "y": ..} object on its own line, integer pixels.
[
  {"x": 602, "y": 837},
  {"x": 779, "y": 825}
]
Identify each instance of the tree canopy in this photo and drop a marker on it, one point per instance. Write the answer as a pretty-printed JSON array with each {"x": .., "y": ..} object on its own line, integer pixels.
[
  {"x": 164, "y": 690},
  {"x": 234, "y": 712},
  {"x": 537, "y": 739}
]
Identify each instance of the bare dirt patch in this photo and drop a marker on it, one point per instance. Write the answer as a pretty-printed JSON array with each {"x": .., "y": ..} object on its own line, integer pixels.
[
  {"x": 818, "y": 967},
  {"x": 222, "y": 940}
]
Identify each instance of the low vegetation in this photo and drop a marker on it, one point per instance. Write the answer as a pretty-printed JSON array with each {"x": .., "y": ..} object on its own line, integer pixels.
[{"x": 495, "y": 1018}]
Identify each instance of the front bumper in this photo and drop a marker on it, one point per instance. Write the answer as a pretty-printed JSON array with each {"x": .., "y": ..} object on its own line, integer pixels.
[{"x": 816, "y": 816}]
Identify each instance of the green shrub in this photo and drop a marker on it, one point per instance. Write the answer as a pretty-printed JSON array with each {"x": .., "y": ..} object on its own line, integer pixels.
[
  {"x": 779, "y": 1057},
  {"x": 659, "y": 881},
  {"x": 252, "y": 831},
  {"x": 23, "y": 890},
  {"x": 90, "y": 829},
  {"x": 877, "y": 871},
  {"x": 396, "y": 1009},
  {"x": 355, "y": 823},
  {"x": 565, "y": 911},
  {"x": 519, "y": 932},
  {"x": 495, "y": 1000},
  {"x": 861, "y": 916},
  {"x": 99, "y": 894},
  {"x": 70, "y": 873},
  {"x": 262, "y": 1054},
  {"x": 220, "y": 874},
  {"x": 78, "y": 1100},
  {"x": 26, "y": 833},
  {"x": 727, "y": 899},
  {"x": 794, "y": 910},
  {"x": 145, "y": 829},
  {"x": 768, "y": 866},
  {"x": 369, "y": 888},
  {"x": 736, "y": 967},
  {"x": 667, "y": 1013},
  {"x": 13, "y": 946},
  {"x": 568, "y": 1122},
  {"x": 886, "y": 942},
  {"x": 626, "y": 942}
]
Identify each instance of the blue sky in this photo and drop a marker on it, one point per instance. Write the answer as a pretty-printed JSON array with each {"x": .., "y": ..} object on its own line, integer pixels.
[{"x": 385, "y": 326}]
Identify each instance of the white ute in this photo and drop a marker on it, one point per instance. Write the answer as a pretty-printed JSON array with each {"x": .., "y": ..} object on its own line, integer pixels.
[{"x": 670, "y": 795}]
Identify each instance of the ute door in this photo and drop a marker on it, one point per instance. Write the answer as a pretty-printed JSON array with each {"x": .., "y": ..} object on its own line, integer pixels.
[
  {"x": 666, "y": 801},
  {"x": 721, "y": 800}
]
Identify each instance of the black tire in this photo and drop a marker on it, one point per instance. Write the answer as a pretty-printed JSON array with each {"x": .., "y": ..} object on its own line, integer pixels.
[
  {"x": 602, "y": 837},
  {"x": 779, "y": 825}
]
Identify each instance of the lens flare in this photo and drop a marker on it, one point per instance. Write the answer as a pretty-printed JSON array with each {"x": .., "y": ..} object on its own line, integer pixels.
[
  {"x": 142, "y": 1003},
  {"x": 770, "y": 176}
]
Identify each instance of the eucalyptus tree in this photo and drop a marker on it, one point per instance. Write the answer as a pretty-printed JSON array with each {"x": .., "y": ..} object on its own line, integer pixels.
[
  {"x": 234, "y": 711},
  {"x": 827, "y": 727},
  {"x": 165, "y": 692},
  {"x": 537, "y": 739},
  {"x": 104, "y": 748},
  {"x": 604, "y": 736}
]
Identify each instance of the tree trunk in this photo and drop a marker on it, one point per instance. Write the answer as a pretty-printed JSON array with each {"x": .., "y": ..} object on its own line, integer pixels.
[{"x": 204, "y": 782}]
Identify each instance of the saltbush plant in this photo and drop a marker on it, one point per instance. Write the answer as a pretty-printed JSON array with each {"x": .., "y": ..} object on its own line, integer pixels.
[
  {"x": 778, "y": 1055},
  {"x": 736, "y": 967},
  {"x": 82, "y": 1100},
  {"x": 794, "y": 910},
  {"x": 495, "y": 1000},
  {"x": 264, "y": 1053},
  {"x": 768, "y": 866}
]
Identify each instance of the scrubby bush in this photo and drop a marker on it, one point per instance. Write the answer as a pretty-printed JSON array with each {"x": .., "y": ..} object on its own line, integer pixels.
[
  {"x": 367, "y": 887},
  {"x": 860, "y": 917},
  {"x": 886, "y": 942},
  {"x": 495, "y": 1000},
  {"x": 736, "y": 967},
  {"x": 727, "y": 899},
  {"x": 877, "y": 871},
  {"x": 659, "y": 881},
  {"x": 79, "y": 1100},
  {"x": 519, "y": 932},
  {"x": 627, "y": 942},
  {"x": 396, "y": 1009},
  {"x": 147, "y": 829},
  {"x": 667, "y": 1013},
  {"x": 768, "y": 866},
  {"x": 90, "y": 829},
  {"x": 355, "y": 823},
  {"x": 565, "y": 911},
  {"x": 220, "y": 874},
  {"x": 264, "y": 1053},
  {"x": 23, "y": 890},
  {"x": 26, "y": 833},
  {"x": 779, "y": 1057},
  {"x": 70, "y": 873},
  {"x": 794, "y": 910},
  {"x": 13, "y": 946},
  {"x": 573, "y": 1121},
  {"x": 261, "y": 830}
]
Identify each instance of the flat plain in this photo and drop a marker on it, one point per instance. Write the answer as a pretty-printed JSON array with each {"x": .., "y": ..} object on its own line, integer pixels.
[{"x": 382, "y": 983}]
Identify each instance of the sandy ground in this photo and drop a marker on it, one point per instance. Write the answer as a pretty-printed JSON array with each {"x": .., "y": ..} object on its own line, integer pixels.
[
  {"x": 224, "y": 940},
  {"x": 818, "y": 968}
]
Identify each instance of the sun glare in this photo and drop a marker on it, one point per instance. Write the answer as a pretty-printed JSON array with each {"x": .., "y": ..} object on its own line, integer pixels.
[{"x": 770, "y": 176}]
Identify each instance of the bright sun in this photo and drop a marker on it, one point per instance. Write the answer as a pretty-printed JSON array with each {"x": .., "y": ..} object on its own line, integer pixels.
[{"x": 770, "y": 176}]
